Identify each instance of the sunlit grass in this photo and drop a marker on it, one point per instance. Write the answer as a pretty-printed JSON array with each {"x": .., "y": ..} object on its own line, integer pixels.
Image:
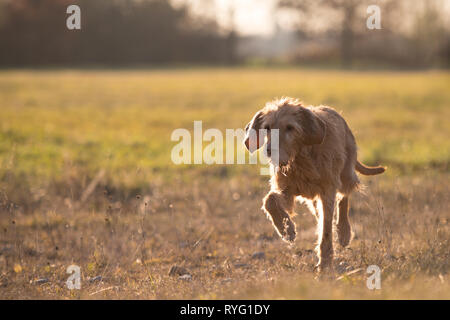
[
  {"x": 122, "y": 120},
  {"x": 61, "y": 129}
]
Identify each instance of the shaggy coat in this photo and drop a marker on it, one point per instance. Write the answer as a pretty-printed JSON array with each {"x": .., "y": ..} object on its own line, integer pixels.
[{"x": 314, "y": 160}]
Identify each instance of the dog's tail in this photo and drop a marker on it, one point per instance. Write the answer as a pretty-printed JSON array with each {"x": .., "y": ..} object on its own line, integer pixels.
[{"x": 368, "y": 171}]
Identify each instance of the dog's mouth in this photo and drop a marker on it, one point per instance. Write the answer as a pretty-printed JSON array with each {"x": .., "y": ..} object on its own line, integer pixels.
[
  {"x": 279, "y": 159},
  {"x": 281, "y": 164},
  {"x": 282, "y": 167}
]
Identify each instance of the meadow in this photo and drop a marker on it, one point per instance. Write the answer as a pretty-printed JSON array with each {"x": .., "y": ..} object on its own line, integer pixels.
[{"x": 86, "y": 179}]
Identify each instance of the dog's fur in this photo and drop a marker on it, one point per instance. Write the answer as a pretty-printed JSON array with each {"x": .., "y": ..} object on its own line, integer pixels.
[{"x": 317, "y": 162}]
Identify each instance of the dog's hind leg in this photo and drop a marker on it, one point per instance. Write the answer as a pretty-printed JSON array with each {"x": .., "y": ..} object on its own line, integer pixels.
[
  {"x": 325, "y": 230},
  {"x": 344, "y": 230},
  {"x": 277, "y": 205}
]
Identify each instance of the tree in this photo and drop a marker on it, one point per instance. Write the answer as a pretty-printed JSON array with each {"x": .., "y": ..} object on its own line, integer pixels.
[
  {"x": 119, "y": 32},
  {"x": 347, "y": 12}
]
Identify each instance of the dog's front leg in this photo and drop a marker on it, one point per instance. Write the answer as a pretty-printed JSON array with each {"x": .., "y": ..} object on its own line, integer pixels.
[
  {"x": 325, "y": 230},
  {"x": 277, "y": 205}
]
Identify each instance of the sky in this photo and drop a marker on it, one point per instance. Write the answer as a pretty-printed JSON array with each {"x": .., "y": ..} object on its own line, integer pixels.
[
  {"x": 249, "y": 16},
  {"x": 257, "y": 17}
]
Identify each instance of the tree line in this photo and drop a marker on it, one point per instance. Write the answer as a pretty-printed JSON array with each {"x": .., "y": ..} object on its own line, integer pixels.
[
  {"x": 156, "y": 32},
  {"x": 113, "y": 32}
]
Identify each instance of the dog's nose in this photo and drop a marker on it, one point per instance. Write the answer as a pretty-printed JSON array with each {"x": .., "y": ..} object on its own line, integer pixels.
[{"x": 268, "y": 150}]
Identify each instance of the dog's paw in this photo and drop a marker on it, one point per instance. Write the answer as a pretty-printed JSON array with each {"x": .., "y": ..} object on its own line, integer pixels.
[
  {"x": 288, "y": 233},
  {"x": 344, "y": 232}
]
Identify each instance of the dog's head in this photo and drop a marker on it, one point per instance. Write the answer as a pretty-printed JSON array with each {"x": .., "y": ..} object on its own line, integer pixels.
[{"x": 285, "y": 125}]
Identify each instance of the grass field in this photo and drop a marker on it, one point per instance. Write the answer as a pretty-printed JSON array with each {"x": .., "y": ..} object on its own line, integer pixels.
[{"x": 86, "y": 178}]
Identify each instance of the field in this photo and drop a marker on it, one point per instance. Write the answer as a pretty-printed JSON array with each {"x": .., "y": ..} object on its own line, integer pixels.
[{"x": 86, "y": 179}]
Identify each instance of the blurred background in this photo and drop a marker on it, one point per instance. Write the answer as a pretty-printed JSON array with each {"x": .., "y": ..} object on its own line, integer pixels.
[{"x": 414, "y": 34}]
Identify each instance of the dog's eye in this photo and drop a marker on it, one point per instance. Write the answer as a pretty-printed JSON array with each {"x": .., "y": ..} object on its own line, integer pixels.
[{"x": 289, "y": 127}]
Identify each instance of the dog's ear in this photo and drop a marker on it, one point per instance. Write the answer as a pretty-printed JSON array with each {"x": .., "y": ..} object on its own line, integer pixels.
[
  {"x": 313, "y": 128},
  {"x": 253, "y": 140}
]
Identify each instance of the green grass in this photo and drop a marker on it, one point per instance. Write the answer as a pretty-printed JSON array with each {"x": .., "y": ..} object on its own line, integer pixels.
[
  {"x": 59, "y": 129},
  {"x": 122, "y": 120}
]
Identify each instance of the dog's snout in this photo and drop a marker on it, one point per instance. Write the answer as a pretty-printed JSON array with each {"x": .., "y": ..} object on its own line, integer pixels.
[
  {"x": 269, "y": 150},
  {"x": 247, "y": 143}
]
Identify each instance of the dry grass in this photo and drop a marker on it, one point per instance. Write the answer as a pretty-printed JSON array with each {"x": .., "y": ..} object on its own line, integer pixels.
[
  {"x": 229, "y": 247},
  {"x": 145, "y": 216}
]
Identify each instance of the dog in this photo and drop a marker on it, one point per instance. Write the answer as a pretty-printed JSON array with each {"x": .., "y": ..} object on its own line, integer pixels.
[{"x": 316, "y": 159}]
